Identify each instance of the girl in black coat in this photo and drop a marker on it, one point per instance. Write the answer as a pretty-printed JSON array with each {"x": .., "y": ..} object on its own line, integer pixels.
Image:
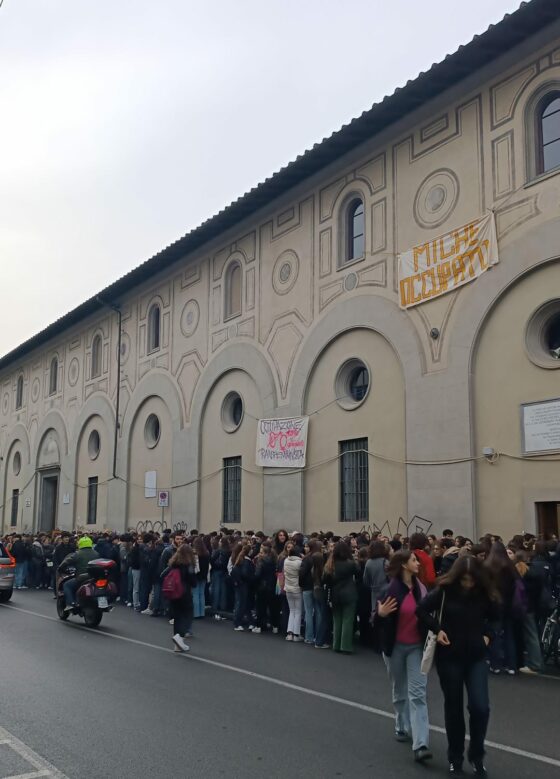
[
  {"x": 181, "y": 609},
  {"x": 467, "y": 603}
]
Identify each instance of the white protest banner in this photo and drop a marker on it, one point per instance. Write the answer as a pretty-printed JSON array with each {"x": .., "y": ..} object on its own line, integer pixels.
[
  {"x": 446, "y": 263},
  {"x": 282, "y": 443}
]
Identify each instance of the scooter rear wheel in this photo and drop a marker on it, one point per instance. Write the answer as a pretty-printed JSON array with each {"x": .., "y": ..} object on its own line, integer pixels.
[
  {"x": 60, "y": 609},
  {"x": 92, "y": 617}
]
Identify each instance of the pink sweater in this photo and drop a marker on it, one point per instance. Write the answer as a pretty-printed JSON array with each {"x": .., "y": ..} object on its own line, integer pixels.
[{"x": 407, "y": 624}]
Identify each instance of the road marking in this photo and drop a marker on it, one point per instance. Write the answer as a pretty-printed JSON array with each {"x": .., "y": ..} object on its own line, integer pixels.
[
  {"x": 42, "y": 767},
  {"x": 279, "y": 682}
]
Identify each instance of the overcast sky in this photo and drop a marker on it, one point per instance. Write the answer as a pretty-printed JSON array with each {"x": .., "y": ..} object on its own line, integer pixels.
[{"x": 125, "y": 123}]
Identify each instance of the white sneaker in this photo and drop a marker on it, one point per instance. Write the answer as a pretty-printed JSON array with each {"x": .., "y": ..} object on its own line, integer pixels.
[
  {"x": 147, "y": 612},
  {"x": 171, "y": 621},
  {"x": 217, "y": 618},
  {"x": 275, "y": 631},
  {"x": 257, "y": 630},
  {"x": 289, "y": 637},
  {"x": 178, "y": 641},
  {"x": 240, "y": 628},
  {"x": 298, "y": 638},
  {"x": 251, "y": 627}
]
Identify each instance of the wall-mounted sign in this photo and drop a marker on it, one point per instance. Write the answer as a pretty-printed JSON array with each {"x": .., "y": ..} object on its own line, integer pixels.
[
  {"x": 447, "y": 262},
  {"x": 540, "y": 427},
  {"x": 282, "y": 443},
  {"x": 66, "y": 498},
  {"x": 28, "y": 503},
  {"x": 150, "y": 481},
  {"x": 163, "y": 499}
]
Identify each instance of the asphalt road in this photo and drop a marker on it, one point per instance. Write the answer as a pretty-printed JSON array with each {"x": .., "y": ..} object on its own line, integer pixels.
[{"x": 117, "y": 701}]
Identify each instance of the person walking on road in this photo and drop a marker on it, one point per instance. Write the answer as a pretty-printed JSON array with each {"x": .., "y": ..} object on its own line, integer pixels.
[
  {"x": 467, "y": 601},
  {"x": 402, "y": 641},
  {"x": 181, "y": 608}
]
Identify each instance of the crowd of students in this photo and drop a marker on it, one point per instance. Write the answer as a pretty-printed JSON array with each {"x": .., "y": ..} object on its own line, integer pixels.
[{"x": 486, "y": 603}]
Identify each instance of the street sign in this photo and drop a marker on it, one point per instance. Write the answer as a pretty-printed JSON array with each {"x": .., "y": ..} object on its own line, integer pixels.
[{"x": 163, "y": 499}]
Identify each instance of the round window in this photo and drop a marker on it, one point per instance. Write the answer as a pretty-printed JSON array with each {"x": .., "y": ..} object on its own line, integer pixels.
[
  {"x": 94, "y": 445},
  {"x": 352, "y": 383},
  {"x": 152, "y": 431},
  {"x": 232, "y": 412},
  {"x": 17, "y": 463},
  {"x": 542, "y": 335}
]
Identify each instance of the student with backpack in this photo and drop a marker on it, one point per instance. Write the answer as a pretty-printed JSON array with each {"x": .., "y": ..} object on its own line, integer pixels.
[{"x": 178, "y": 581}]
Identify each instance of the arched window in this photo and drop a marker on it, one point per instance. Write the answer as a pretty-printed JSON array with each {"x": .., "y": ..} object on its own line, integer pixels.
[
  {"x": 548, "y": 133},
  {"x": 19, "y": 392},
  {"x": 154, "y": 328},
  {"x": 53, "y": 376},
  {"x": 234, "y": 279},
  {"x": 96, "y": 357},
  {"x": 355, "y": 230}
]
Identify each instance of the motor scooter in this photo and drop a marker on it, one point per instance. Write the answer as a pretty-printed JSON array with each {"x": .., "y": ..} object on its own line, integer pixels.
[{"x": 95, "y": 595}]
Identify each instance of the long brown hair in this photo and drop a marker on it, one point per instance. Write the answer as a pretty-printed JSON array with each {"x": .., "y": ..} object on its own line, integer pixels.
[
  {"x": 394, "y": 569},
  {"x": 242, "y": 554},
  {"x": 183, "y": 556},
  {"x": 472, "y": 566}
]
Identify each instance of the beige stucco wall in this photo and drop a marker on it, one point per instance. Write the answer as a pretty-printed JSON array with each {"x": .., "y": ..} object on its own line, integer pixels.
[
  {"x": 503, "y": 379},
  {"x": 297, "y": 295},
  {"x": 87, "y": 468},
  {"x": 143, "y": 459},
  {"x": 380, "y": 418},
  {"x": 217, "y": 444}
]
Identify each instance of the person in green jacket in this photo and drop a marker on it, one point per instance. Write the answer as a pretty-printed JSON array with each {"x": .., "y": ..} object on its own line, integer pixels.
[
  {"x": 340, "y": 575},
  {"x": 78, "y": 560}
]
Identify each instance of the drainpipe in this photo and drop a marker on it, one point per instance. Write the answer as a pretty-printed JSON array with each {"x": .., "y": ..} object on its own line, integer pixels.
[{"x": 118, "y": 398}]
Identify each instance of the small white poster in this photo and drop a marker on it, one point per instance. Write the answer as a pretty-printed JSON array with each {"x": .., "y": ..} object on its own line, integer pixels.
[
  {"x": 150, "y": 482},
  {"x": 282, "y": 443},
  {"x": 541, "y": 427}
]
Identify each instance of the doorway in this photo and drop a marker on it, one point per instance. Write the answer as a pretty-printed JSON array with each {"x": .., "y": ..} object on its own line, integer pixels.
[
  {"x": 48, "y": 506},
  {"x": 548, "y": 514}
]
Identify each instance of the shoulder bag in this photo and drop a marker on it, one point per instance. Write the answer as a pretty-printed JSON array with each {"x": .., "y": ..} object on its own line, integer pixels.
[{"x": 430, "y": 645}]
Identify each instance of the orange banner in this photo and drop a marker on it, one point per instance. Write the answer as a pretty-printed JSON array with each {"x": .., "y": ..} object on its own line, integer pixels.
[{"x": 447, "y": 262}]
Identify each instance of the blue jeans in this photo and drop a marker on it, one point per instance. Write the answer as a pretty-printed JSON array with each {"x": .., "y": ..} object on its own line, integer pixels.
[
  {"x": 135, "y": 587},
  {"x": 323, "y": 620},
  {"x": 308, "y": 610},
  {"x": 21, "y": 574},
  {"x": 199, "y": 599},
  {"x": 70, "y": 586},
  {"x": 501, "y": 652},
  {"x": 218, "y": 590},
  {"x": 453, "y": 674},
  {"x": 155, "y": 604},
  {"x": 532, "y": 643},
  {"x": 409, "y": 692}
]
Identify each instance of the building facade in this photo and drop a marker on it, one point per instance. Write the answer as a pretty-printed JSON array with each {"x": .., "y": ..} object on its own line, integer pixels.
[{"x": 286, "y": 304}]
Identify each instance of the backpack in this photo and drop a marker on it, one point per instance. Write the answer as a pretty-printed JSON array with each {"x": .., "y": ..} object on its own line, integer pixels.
[{"x": 172, "y": 586}]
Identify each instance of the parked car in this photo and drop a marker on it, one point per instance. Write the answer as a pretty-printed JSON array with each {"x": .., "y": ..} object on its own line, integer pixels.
[{"x": 7, "y": 574}]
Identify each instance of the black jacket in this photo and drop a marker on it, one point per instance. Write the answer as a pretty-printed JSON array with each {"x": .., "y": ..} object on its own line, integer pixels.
[
  {"x": 204, "y": 565},
  {"x": 306, "y": 573},
  {"x": 265, "y": 574},
  {"x": 20, "y": 551},
  {"x": 244, "y": 573},
  {"x": 219, "y": 559},
  {"x": 342, "y": 583},
  {"x": 387, "y": 626},
  {"x": 466, "y": 618},
  {"x": 61, "y": 551},
  {"x": 188, "y": 577}
]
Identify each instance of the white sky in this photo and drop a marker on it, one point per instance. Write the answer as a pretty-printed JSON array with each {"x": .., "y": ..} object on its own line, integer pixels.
[{"x": 125, "y": 123}]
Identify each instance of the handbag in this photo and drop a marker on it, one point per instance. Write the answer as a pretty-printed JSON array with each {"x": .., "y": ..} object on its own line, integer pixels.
[{"x": 430, "y": 645}]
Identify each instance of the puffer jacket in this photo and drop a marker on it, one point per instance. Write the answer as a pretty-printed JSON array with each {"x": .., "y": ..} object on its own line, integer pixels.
[{"x": 292, "y": 564}]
